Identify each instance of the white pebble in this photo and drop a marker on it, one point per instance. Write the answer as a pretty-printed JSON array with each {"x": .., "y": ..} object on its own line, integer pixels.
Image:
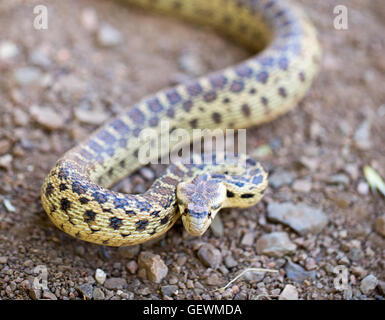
[
  {"x": 100, "y": 276},
  {"x": 8, "y": 50}
]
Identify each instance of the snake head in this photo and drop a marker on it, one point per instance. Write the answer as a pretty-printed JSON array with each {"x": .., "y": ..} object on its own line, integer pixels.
[{"x": 199, "y": 200}]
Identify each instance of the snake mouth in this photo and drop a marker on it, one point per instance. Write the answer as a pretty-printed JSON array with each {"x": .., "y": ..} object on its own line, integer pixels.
[{"x": 195, "y": 226}]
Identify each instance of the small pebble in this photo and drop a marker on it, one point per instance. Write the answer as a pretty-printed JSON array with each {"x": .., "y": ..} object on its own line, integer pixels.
[
  {"x": 363, "y": 188},
  {"x": 155, "y": 267},
  {"x": 132, "y": 266},
  {"x": 379, "y": 225},
  {"x": 368, "y": 284},
  {"x": 26, "y": 75},
  {"x": 169, "y": 290},
  {"x": 100, "y": 276},
  {"x": 108, "y": 36},
  {"x": 289, "y": 293},
  {"x": 8, "y": 50},
  {"x": 115, "y": 283},
  {"x": 302, "y": 186},
  {"x": 217, "y": 226},
  {"x": 298, "y": 274},
  {"x": 275, "y": 244},
  {"x": 248, "y": 239},
  {"x": 209, "y": 256},
  {"x": 86, "y": 290},
  {"x": 47, "y": 117},
  {"x": 280, "y": 178},
  {"x": 300, "y": 217},
  {"x": 98, "y": 294}
]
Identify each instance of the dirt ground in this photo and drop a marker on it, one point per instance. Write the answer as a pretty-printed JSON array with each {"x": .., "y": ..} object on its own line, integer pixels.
[{"x": 79, "y": 73}]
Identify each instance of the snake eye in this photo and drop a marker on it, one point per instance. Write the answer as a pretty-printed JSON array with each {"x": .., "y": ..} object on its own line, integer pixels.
[
  {"x": 209, "y": 214},
  {"x": 186, "y": 211}
]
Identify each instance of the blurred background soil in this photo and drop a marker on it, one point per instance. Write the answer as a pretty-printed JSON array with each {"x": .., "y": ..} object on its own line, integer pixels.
[{"x": 95, "y": 59}]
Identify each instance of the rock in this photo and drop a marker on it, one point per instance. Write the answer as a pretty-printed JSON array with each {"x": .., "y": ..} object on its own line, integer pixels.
[
  {"x": 98, "y": 294},
  {"x": 115, "y": 283},
  {"x": 217, "y": 226},
  {"x": 47, "y": 117},
  {"x": 301, "y": 218},
  {"x": 86, "y": 290},
  {"x": 289, "y": 293},
  {"x": 3, "y": 260},
  {"x": 169, "y": 290},
  {"x": 35, "y": 294},
  {"x": 362, "y": 139},
  {"x": 129, "y": 252},
  {"x": 8, "y": 50},
  {"x": 38, "y": 58},
  {"x": 379, "y": 225},
  {"x": 275, "y": 244},
  {"x": 6, "y": 161},
  {"x": 20, "y": 118},
  {"x": 298, "y": 274},
  {"x": 213, "y": 280},
  {"x": 91, "y": 116},
  {"x": 340, "y": 178},
  {"x": 100, "y": 276},
  {"x": 49, "y": 295},
  {"x": 8, "y": 205},
  {"x": 107, "y": 36},
  {"x": 209, "y": 256},
  {"x": 89, "y": 19},
  {"x": 147, "y": 173},
  {"x": 155, "y": 267},
  {"x": 191, "y": 64},
  {"x": 26, "y": 75},
  {"x": 368, "y": 284},
  {"x": 302, "y": 186},
  {"x": 4, "y": 146},
  {"x": 363, "y": 188},
  {"x": 132, "y": 266},
  {"x": 248, "y": 239},
  {"x": 280, "y": 178},
  {"x": 230, "y": 262}
]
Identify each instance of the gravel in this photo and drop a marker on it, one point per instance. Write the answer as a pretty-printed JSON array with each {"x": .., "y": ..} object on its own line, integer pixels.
[
  {"x": 289, "y": 293},
  {"x": 298, "y": 274},
  {"x": 154, "y": 266},
  {"x": 368, "y": 284}
]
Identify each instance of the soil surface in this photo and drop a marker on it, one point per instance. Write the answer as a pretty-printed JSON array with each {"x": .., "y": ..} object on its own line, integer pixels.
[{"x": 96, "y": 58}]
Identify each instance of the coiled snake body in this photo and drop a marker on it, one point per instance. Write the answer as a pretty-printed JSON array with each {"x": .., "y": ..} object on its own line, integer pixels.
[{"x": 75, "y": 193}]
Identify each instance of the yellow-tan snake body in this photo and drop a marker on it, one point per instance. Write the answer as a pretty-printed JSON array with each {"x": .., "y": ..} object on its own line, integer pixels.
[{"x": 75, "y": 193}]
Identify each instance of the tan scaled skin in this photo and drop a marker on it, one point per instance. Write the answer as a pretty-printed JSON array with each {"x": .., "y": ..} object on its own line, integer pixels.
[{"x": 75, "y": 193}]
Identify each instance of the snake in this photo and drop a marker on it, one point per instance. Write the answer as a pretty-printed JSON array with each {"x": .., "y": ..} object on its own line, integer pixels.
[{"x": 76, "y": 193}]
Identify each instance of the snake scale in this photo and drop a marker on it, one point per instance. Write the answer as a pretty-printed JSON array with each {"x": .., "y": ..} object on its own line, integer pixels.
[{"x": 75, "y": 193}]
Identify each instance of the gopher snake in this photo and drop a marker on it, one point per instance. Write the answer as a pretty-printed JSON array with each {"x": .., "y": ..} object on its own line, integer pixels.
[{"x": 75, "y": 194}]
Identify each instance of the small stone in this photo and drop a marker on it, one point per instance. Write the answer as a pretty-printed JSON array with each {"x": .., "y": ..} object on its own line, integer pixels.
[
  {"x": 35, "y": 294},
  {"x": 209, "y": 256},
  {"x": 368, "y": 284},
  {"x": 47, "y": 117},
  {"x": 289, "y": 293},
  {"x": 132, "y": 266},
  {"x": 217, "y": 226},
  {"x": 49, "y": 295},
  {"x": 298, "y": 274},
  {"x": 6, "y": 161},
  {"x": 8, "y": 50},
  {"x": 169, "y": 290},
  {"x": 363, "y": 188},
  {"x": 38, "y": 58},
  {"x": 100, "y": 276},
  {"x": 155, "y": 267},
  {"x": 379, "y": 225},
  {"x": 4, "y": 146},
  {"x": 129, "y": 252},
  {"x": 26, "y": 75},
  {"x": 89, "y": 19},
  {"x": 275, "y": 244},
  {"x": 98, "y": 294},
  {"x": 147, "y": 173},
  {"x": 340, "y": 178},
  {"x": 302, "y": 186},
  {"x": 108, "y": 36},
  {"x": 310, "y": 264},
  {"x": 280, "y": 178},
  {"x": 8, "y": 205},
  {"x": 362, "y": 139},
  {"x": 115, "y": 283},
  {"x": 91, "y": 116},
  {"x": 248, "y": 239},
  {"x": 300, "y": 217},
  {"x": 230, "y": 262},
  {"x": 86, "y": 290},
  {"x": 213, "y": 280},
  {"x": 191, "y": 64},
  {"x": 3, "y": 260}
]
